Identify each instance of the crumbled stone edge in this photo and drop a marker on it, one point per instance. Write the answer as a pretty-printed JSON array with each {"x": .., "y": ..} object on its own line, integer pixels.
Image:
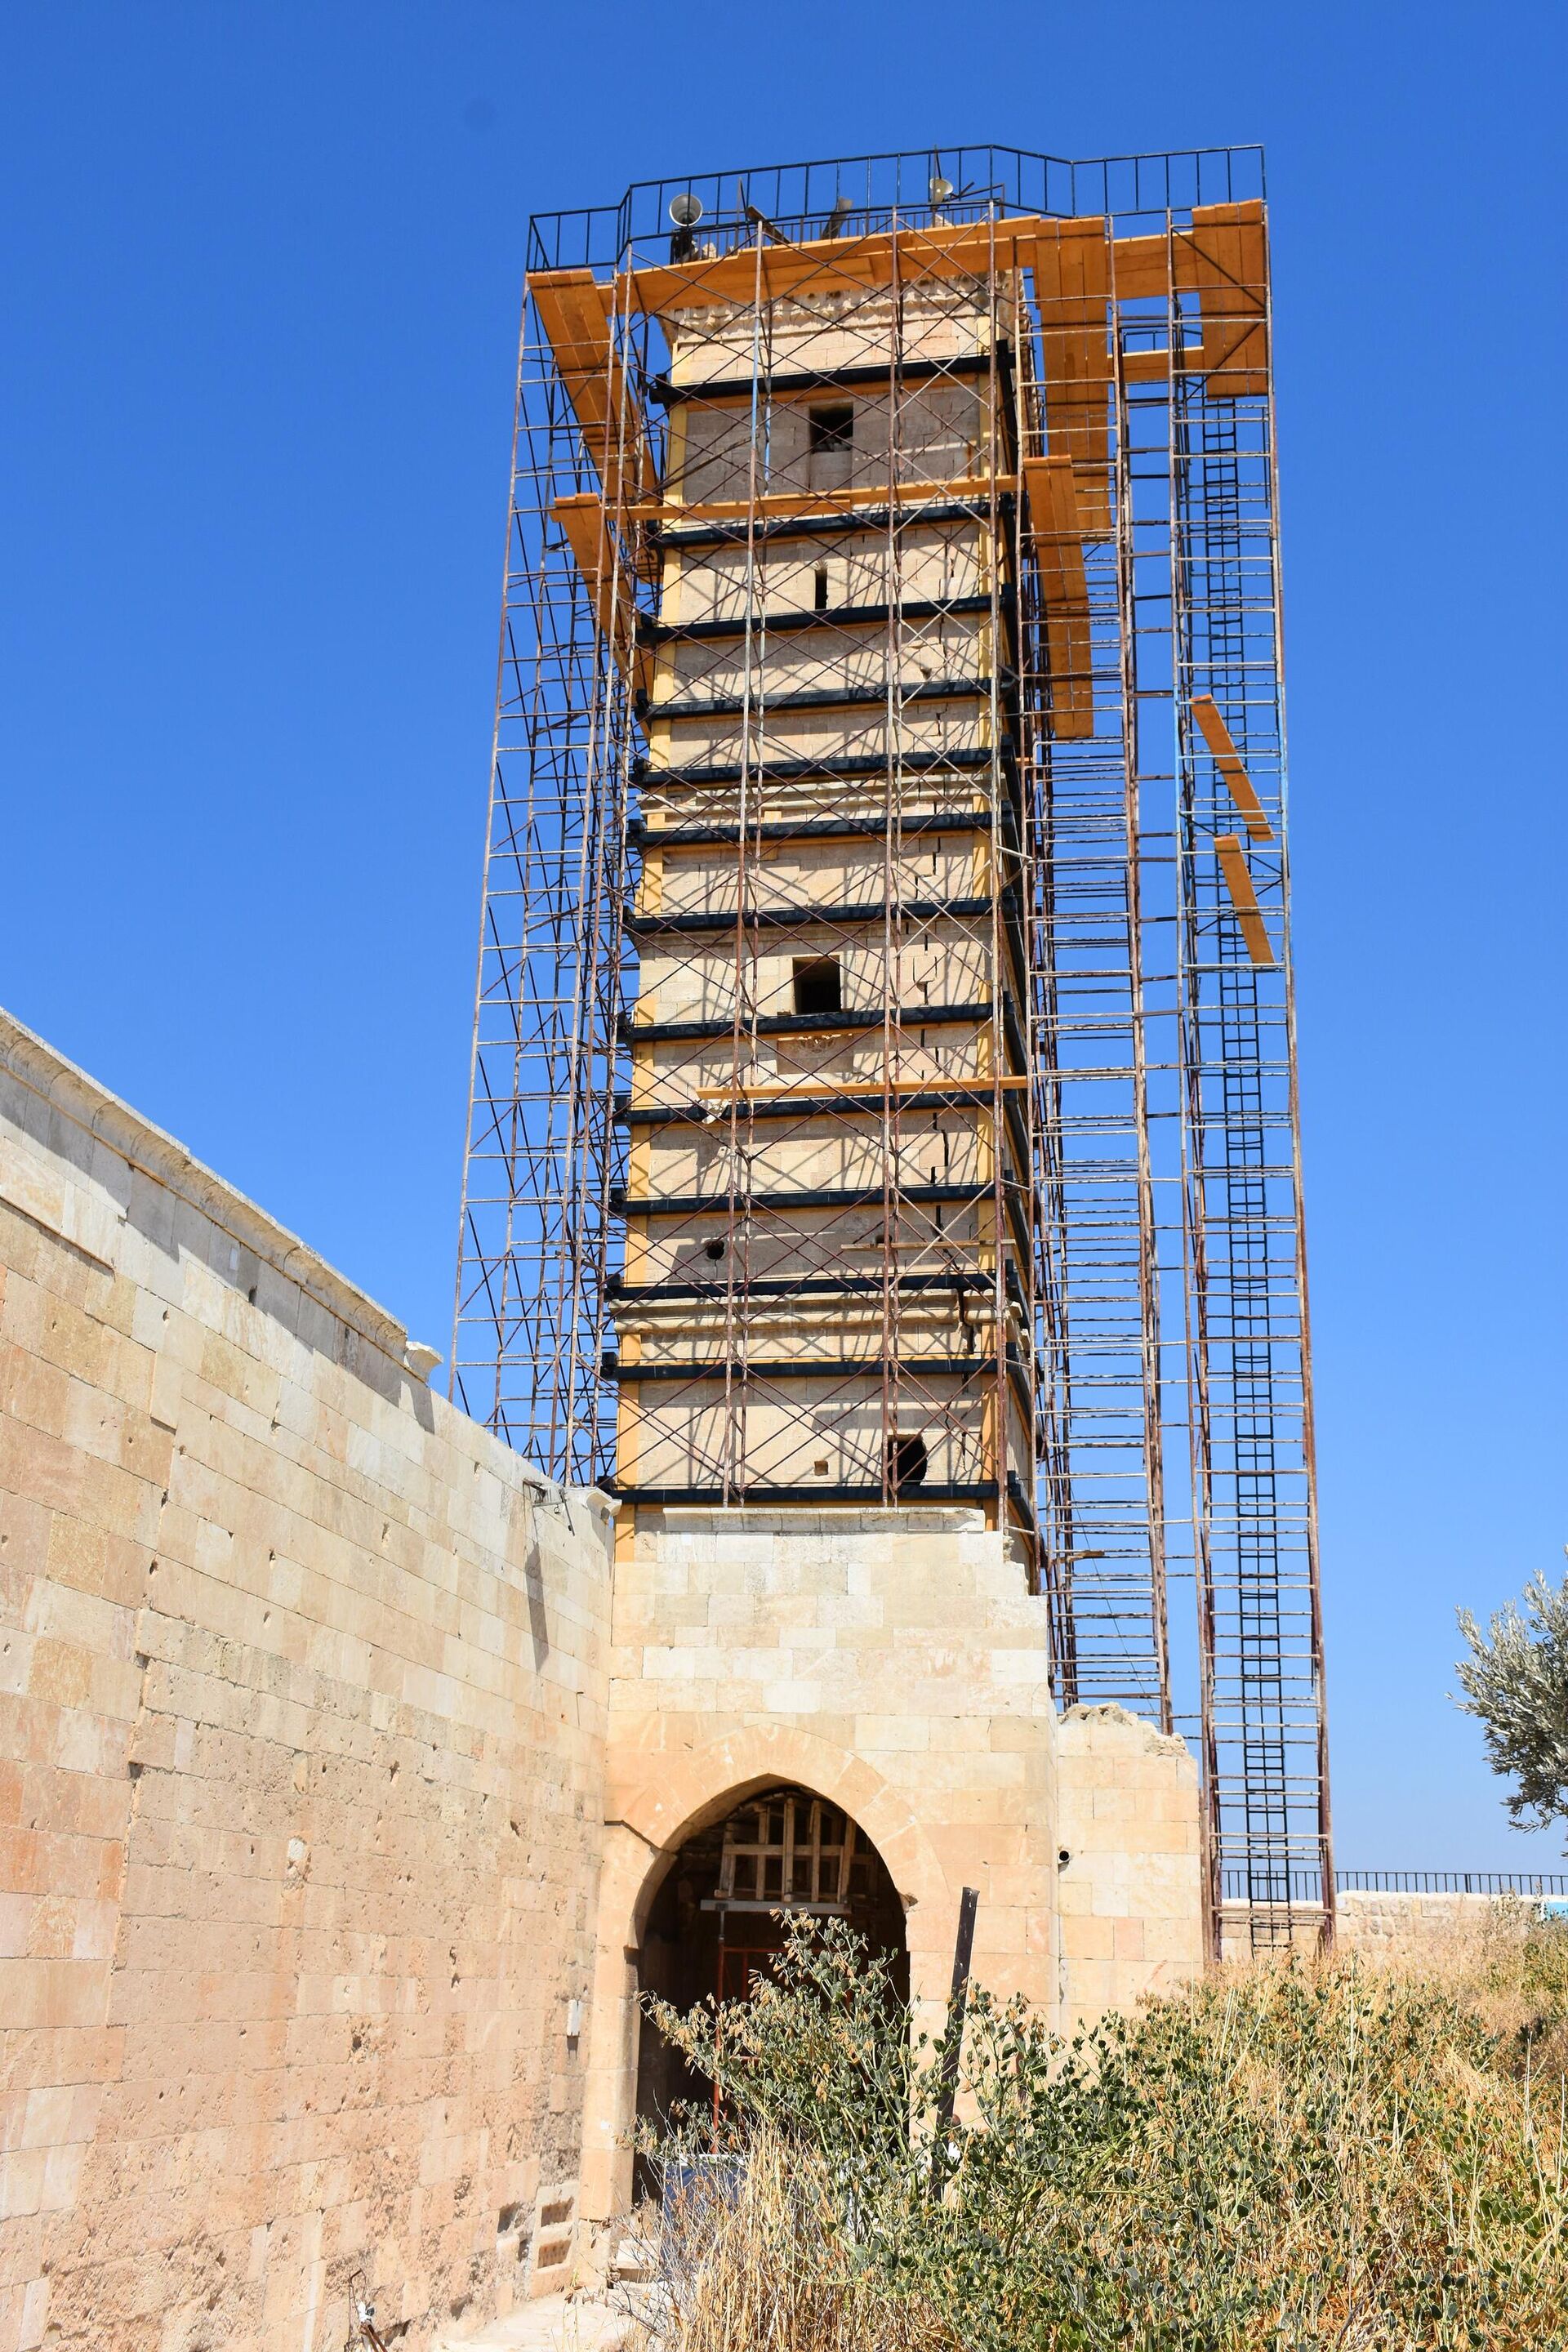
[{"x": 1107, "y": 1711}]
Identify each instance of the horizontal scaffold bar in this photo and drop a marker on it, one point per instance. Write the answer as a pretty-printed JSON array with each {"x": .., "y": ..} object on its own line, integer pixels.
[{"x": 978, "y": 491}]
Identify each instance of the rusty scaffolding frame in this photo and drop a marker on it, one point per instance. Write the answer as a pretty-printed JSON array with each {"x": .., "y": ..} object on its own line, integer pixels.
[{"x": 1063, "y": 1233}]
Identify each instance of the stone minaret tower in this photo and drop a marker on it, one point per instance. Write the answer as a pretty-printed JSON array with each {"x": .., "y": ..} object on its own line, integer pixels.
[
  {"x": 826, "y": 1293},
  {"x": 883, "y": 1129}
]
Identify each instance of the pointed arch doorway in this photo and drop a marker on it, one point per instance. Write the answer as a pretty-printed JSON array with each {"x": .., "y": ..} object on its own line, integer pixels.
[{"x": 719, "y": 1918}]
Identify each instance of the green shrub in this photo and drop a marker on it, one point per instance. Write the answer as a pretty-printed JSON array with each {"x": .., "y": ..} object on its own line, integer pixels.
[{"x": 1290, "y": 2157}]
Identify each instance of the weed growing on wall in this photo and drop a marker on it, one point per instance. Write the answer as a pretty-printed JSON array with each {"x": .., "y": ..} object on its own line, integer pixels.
[{"x": 1292, "y": 2157}]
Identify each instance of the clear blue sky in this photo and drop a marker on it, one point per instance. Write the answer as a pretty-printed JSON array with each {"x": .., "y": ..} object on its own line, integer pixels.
[{"x": 265, "y": 261}]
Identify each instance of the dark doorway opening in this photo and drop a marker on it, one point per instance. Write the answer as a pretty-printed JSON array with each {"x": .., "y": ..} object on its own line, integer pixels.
[{"x": 718, "y": 1921}]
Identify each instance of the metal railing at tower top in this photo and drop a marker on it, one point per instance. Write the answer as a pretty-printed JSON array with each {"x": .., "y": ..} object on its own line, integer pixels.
[
  {"x": 855, "y": 193},
  {"x": 1125, "y": 1272}
]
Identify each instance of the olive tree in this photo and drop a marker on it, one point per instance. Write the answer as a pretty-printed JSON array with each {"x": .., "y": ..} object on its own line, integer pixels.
[{"x": 1516, "y": 1681}]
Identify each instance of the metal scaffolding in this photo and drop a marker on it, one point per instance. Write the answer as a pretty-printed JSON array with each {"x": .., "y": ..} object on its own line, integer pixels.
[{"x": 884, "y": 1059}]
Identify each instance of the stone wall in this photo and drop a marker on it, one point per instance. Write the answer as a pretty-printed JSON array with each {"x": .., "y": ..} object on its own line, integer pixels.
[
  {"x": 303, "y": 1697},
  {"x": 1130, "y": 1886},
  {"x": 335, "y": 1784},
  {"x": 1440, "y": 1926},
  {"x": 1430, "y": 1927}
]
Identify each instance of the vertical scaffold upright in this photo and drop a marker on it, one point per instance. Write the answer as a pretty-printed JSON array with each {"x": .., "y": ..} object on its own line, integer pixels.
[{"x": 884, "y": 1057}]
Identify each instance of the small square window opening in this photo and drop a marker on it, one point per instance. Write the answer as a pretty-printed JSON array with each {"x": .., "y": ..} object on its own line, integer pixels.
[
  {"x": 831, "y": 439},
  {"x": 831, "y": 428},
  {"x": 818, "y": 985},
  {"x": 907, "y": 1459}
]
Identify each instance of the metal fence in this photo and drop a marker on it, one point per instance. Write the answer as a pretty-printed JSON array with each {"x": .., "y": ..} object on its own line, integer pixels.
[{"x": 1306, "y": 1886}]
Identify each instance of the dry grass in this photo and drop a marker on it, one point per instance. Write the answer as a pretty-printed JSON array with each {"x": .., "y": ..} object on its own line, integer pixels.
[
  {"x": 1350, "y": 2154},
  {"x": 769, "y": 2269},
  {"x": 1498, "y": 1964}
]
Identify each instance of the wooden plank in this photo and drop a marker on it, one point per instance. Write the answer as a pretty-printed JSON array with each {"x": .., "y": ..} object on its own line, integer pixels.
[
  {"x": 1154, "y": 367},
  {"x": 1069, "y": 268},
  {"x": 1243, "y": 897},
  {"x": 1050, "y": 487},
  {"x": 1051, "y": 490},
  {"x": 1224, "y": 258},
  {"x": 1071, "y": 292},
  {"x": 1227, "y": 759},
  {"x": 586, "y": 533},
  {"x": 787, "y": 504},
  {"x": 1141, "y": 269},
  {"x": 572, "y": 313},
  {"x": 1134, "y": 267},
  {"x": 572, "y": 307},
  {"x": 970, "y": 1088},
  {"x": 767, "y": 273}
]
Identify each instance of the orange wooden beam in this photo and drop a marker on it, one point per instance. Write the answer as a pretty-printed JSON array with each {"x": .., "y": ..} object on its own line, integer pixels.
[
  {"x": 1224, "y": 258},
  {"x": 1082, "y": 273},
  {"x": 751, "y": 273},
  {"x": 1227, "y": 759},
  {"x": 1243, "y": 897},
  {"x": 1050, "y": 488},
  {"x": 789, "y": 503},
  {"x": 585, "y": 530},
  {"x": 1071, "y": 290},
  {"x": 570, "y": 304}
]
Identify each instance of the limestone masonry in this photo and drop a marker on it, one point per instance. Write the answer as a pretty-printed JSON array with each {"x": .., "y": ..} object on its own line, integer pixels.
[{"x": 342, "y": 1765}]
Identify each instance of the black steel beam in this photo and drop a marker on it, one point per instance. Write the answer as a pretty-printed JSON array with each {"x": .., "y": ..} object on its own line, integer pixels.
[
  {"x": 838, "y": 697},
  {"x": 758, "y": 1497},
  {"x": 830, "y": 771},
  {"x": 799, "y": 1367},
  {"x": 832, "y": 617},
  {"x": 642, "y": 836},
  {"x": 696, "y": 1205},
  {"x": 800, "y": 1024},
  {"x": 773, "y": 918},
  {"x": 846, "y": 378}
]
